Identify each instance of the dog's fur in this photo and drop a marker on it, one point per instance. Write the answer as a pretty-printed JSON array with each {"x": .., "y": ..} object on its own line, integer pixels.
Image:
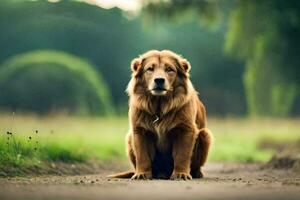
[{"x": 168, "y": 137}]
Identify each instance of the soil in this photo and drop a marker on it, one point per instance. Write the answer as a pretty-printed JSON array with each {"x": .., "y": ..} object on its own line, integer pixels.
[
  {"x": 222, "y": 181},
  {"x": 54, "y": 168}
]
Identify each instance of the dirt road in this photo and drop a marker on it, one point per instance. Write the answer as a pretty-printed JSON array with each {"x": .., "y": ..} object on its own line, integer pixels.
[{"x": 222, "y": 181}]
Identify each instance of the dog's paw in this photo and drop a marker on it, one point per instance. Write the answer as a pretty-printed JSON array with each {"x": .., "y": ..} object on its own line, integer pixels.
[
  {"x": 197, "y": 174},
  {"x": 181, "y": 176},
  {"x": 142, "y": 176}
]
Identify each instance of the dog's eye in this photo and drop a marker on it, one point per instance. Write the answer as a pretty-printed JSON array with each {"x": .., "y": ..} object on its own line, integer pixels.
[
  {"x": 150, "y": 69},
  {"x": 169, "y": 69}
]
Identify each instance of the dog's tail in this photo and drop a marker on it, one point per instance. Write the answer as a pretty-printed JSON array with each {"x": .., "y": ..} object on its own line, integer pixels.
[{"x": 127, "y": 174}]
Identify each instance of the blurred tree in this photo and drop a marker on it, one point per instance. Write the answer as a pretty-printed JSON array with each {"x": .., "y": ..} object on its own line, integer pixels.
[
  {"x": 197, "y": 30},
  {"x": 264, "y": 35},
  {"x": 182, "y": 11},
  {"x": 110, "y": 40},
  {"x": 51, "y": 81},
  {"x": 101, "y": 36}
]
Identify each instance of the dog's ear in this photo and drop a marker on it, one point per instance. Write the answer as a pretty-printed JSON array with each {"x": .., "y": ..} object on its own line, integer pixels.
[
  {"x": 136, "y": 64},
  {"x": 185, "y": 65}
]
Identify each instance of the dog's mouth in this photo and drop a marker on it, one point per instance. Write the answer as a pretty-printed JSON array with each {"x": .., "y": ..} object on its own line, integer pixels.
[{"x": 159, "y": 91}]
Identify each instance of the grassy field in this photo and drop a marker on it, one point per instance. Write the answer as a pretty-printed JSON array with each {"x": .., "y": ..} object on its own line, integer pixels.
[{"x": 29, "y": 140}]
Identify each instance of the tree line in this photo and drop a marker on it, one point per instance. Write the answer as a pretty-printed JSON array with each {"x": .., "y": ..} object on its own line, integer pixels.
[{"x": 109, "y": 39}]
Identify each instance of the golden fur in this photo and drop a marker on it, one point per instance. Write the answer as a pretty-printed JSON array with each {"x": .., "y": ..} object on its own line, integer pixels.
[{"x": 168, "y": 137}]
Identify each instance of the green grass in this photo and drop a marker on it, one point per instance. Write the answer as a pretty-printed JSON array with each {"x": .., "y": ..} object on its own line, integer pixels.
[
  {"x": 71, "y": 139},
  {"x": 240, "y": 139}
]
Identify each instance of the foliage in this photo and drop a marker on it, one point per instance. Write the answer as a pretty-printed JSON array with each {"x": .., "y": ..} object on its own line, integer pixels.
[
  {"x": 46, "y": 81},
  {"x": 103, "y": 37},
  {"x": 265, "y": 34},
  {"x": 13, "y": 151},
  {"x": 183, "y": 11},
  {"x": 110, "y": 40},
  {"x": 267, "y": 92}
]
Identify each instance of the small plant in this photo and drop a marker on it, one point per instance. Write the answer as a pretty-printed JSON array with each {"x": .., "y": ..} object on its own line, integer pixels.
[
  {"x": 15, "y": 152},
  {"x": 22, "y": 150}
]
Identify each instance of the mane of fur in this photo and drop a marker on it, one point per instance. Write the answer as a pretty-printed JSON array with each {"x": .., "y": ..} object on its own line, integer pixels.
[{"x": 141, "y": 99}]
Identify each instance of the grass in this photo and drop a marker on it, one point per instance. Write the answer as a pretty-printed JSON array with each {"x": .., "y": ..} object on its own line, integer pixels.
[
  {"x": 29, "y": 140},
  {"x": 241, "y": 139}
]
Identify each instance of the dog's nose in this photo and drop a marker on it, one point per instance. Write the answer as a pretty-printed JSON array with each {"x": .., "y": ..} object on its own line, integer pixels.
[{"x": 159, "y": 81}]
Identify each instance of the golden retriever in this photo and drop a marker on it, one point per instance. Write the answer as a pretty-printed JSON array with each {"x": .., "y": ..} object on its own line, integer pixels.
[{"x": 168, "y": 137}]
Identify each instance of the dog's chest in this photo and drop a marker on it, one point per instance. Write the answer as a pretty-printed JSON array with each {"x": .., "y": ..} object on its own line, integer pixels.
[
  {"x": 161, "y": 128},
  {"x": 162, "y": 131}
]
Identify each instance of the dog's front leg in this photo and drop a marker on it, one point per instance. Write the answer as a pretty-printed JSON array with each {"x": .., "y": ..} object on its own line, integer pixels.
[
  {"x": 183, "y": 144},
  {"x": 143, "y": 150}
]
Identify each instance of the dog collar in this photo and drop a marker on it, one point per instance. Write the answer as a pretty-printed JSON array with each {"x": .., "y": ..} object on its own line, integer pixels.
[{"x": 157, "y": 118}]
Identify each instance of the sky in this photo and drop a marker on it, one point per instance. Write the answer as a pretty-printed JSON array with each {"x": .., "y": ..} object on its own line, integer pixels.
[{"x": 127, "y": 5}]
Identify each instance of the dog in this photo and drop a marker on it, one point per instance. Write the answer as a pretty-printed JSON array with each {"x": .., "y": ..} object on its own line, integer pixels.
[{"x": 168, "y": 136}]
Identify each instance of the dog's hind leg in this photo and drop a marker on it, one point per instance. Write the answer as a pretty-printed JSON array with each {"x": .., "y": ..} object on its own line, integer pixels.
[{"x": 200, "y": 152}]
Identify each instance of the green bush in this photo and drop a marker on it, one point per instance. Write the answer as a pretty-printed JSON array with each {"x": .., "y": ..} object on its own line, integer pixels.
[
  {"x": 46, "y": 81},
  {"x": 268, "y": 94},
  {"x": 263, "y": 37}
]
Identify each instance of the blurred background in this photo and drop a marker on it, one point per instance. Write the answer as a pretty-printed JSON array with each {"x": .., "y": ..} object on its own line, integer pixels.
[
  {"x": 244, "y": 55},
  {"x": 65, "y": 66}
]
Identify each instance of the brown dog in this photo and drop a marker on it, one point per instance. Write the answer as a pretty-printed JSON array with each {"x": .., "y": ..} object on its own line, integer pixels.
[{"x": 168, "y": 137}]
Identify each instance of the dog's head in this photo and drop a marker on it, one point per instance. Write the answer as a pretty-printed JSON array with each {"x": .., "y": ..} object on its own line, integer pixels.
[{"x": 159, "y": 73}]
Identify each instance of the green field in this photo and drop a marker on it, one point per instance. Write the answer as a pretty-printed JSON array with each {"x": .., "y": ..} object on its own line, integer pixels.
[{"x": 29, "y": 140}]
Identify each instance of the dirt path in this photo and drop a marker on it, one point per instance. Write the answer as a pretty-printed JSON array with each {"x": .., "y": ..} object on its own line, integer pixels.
[{"x": 222, "y": 181}]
